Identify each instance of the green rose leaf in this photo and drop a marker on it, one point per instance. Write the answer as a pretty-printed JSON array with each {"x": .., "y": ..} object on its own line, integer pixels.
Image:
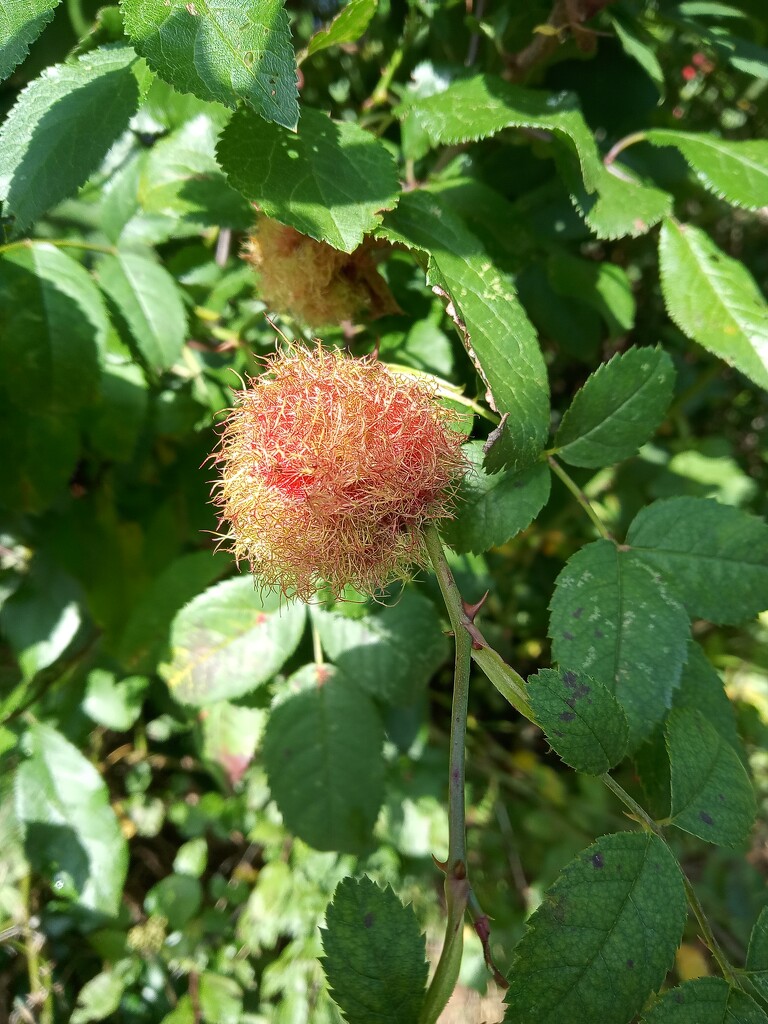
[
  {"x": 223, "y": 52},
  {"x": 229, "y": 640},
  {"x": 714, "y": 556},
  {"x": 391, "y": 652},
  {"x": 323, "y": 755},
  {"x": 757, "y": 954},
  {"x": 20, "y": 25},
  {"x": 583, "y": 721},
  {"x": 347, "y": 27},
  {"x": 330, "y": 181},
  {"x": 375, "y": 955},
  {"x": 604, "y": 286},
  {"x": 491, "y": 509},
  {"x": 616, "y": 620},
  {"x": 60, "y": 129},
  {"x": 714, "y": 299},
  {"x": 147, "y": 305},
  {"x": 53, "y": 325},
  {"x": 705, "y": 1001},
  {"x": 487, "y": 312},
  {"x": 604, "y": 936},
  {"x": 712, "y": 797},
  {"x": 701, "y": 689},
  {"x": 618, "y": 409},
  {"x": 736, "y": 171},
  {"x": 71, "y": 834}
]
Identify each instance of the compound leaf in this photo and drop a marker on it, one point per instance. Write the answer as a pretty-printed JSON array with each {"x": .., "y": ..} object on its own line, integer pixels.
[
  {"x": 496, "y": 331},
  {"x": 229, "y": 640},
  {"x": 612, "y": 617},
  {"x": 330, "y": 181},
  {"x": 71, "y": 832},
  {"x": 712, "y": 797},
  {"x": 220, "y": 51},
  {"x": 20, "y": 25},
  {"x": 714, "y": 556},
  {"x": 60, "y": 129},
  {"x": 375, "y": 955},
  {"x": 323, "y": 755},
  {"x": 736, "y": 171},
  {"x": 604, "y": 936},
  {"x": 618, "y": 409},
  {"x": 714, "y": 299},
  {"x": 583, "y": 721}
]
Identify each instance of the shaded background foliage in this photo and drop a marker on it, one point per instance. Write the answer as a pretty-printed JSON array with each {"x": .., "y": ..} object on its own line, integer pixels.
[{"x": 159, "y": 862}]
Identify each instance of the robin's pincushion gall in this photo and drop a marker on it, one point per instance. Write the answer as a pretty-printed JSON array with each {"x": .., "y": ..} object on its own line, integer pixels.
[
  {"x": 314, "y": 282},
  {"x": 330, "y": 470}
]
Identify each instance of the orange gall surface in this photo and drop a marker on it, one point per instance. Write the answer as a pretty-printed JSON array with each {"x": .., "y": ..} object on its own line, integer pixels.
[{"x": 330, "y": 468}]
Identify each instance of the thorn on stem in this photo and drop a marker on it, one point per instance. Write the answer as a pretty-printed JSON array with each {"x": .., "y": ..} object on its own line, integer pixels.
[{"x": 471, "y": 610}]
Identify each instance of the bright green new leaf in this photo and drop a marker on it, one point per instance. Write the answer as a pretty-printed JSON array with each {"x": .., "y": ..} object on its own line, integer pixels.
[
  {"x": 705, "y": 1001},
  {"x": 392, "y": 652},
  {"x": 147, "y": 305},
  {"x": 20, "y": 24},
  {"x": 757, "y": 954},
  {"x": 53, "y": 323},
  {"x": 618, "y": 409},
  {"x": 714, "y": 299},
  {"x": 229, "y": 640},
  {"x": 219, "y": 51},
  {"x": 330, "y": 181},
  {"x": 475, "y": 108},
  {"x": 486, "y": 310},
  {"x": 640, "y": 46},
  {"x": 714, "y": 556},
  {"x": 604, "y": 286},
  {"x": 733, "y": 170},
  {"x": 114, "y": 703},
  {"x": 60, "y": 129},
  {"x": 603, "y": 938},
  {"x": 375, "y": 955},
  {"x": 322, "y": 751},
  {"x": 712, "y": 797},
  {"x": 613, "y": 618},
  {"x": 71, "y": 834},
  {"x": 493, "y": 508},
  {"x": 583, "y": 721},
  {"x": 99, "y": 998},
  {"x": 347, "y": 27}
]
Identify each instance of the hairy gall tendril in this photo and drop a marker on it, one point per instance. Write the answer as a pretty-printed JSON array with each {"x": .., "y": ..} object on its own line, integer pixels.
[{"x": 330, "y": 468}]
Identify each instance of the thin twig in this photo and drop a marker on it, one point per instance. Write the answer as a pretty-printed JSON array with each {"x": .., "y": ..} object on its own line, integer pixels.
[{"x": 580, "y": 497}]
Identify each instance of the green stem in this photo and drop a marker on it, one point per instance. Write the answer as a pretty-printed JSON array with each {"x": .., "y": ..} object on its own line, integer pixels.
[
  {"x": 580, "y": 496},
  {"x": 60, "y": 243},
  {"x": 455, "y": 867},
  {"x": 638, "y": 812}
]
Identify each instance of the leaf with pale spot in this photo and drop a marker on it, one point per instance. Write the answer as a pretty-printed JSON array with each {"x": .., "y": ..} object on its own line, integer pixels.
[
  {"x": 229, "y": 640},
  {"x": 712, "y": 797},
  {"x": 613, "y": 618},
  {"x": 583, "y": 721},
  {"x": 715, "y": 557},
  {"x": 375, "y": 955},
  {"x": 603, "y": 937}
]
